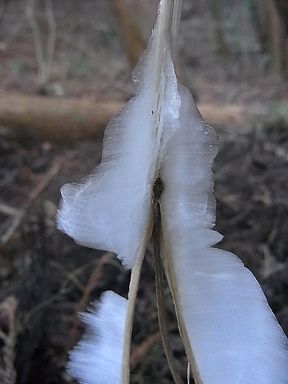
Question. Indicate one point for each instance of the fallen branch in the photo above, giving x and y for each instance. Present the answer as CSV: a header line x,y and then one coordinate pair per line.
x,y
48,118
54,118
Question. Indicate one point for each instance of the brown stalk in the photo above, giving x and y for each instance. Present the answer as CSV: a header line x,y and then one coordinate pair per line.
x,y
159,278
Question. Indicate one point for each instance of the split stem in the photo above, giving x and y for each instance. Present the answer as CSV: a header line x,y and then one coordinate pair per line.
x,y
159,278
133,288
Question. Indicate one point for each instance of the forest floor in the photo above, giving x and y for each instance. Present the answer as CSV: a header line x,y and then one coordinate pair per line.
x,y
45,278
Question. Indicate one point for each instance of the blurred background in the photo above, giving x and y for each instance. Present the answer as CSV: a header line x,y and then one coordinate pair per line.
x,y
65,69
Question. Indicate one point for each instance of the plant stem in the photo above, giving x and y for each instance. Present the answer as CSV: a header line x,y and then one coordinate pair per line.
x,y
177,8
133,288
159,278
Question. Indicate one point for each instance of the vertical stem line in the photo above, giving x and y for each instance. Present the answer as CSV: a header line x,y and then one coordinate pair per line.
x,y
159,278
172,281
132,294
175,25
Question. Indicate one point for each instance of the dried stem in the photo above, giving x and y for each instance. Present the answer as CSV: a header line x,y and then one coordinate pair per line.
x,y
133,288
175,25
44,54
159,277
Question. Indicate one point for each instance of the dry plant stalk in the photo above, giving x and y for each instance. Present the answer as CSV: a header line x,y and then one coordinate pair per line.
x,y
133,40
44,46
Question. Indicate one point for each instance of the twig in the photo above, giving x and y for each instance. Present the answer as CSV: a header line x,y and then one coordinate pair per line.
x,y
92,281
8,210
83,302
271,265
51,40
44,55
21,213
142,349
159,277
27,317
